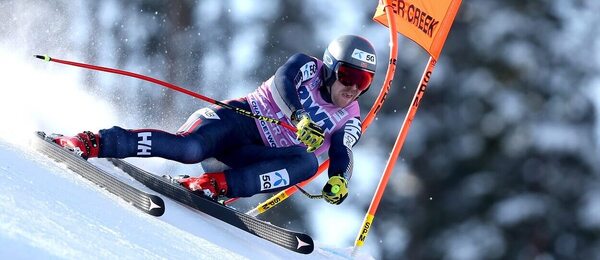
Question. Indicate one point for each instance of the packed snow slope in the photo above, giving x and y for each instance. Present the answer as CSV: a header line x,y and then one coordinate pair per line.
x,y
47,211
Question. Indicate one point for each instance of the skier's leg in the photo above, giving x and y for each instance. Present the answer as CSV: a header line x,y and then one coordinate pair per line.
x,y
222,129
207,132
117,142
261,169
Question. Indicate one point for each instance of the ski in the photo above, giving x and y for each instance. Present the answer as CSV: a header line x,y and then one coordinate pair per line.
x,y
295,241
147,203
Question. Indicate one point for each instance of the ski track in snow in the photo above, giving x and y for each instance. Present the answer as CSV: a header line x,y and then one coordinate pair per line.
x,y
48,212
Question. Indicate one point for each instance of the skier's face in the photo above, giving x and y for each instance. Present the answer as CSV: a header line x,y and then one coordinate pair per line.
x,y
342,95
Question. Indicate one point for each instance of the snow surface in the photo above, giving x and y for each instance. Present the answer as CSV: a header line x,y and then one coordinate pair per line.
x,y
47,211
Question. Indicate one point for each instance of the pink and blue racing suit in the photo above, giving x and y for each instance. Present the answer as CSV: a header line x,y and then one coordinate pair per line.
x,y
261,157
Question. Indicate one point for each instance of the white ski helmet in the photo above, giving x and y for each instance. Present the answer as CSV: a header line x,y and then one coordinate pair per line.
x,y
351,57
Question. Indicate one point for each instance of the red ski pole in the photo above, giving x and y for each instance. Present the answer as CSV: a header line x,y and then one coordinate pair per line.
x,y
170,86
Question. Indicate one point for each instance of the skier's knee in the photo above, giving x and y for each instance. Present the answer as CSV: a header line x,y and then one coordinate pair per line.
x,y
192,151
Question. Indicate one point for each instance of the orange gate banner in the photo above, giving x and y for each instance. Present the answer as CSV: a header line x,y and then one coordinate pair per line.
x,y
426,22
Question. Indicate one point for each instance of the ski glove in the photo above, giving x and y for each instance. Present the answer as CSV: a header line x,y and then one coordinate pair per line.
x,y
308,132
335,190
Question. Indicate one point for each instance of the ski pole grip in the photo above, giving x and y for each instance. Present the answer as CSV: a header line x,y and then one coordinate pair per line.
x,y
43,57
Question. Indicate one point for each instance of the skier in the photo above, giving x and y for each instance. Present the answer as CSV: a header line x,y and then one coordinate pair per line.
x,y
318,97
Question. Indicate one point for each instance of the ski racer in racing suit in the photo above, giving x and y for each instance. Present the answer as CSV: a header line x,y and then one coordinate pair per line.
x,y
319,97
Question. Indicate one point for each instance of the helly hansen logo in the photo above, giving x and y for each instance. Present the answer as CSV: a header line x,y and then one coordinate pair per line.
x,y
273,180
144,143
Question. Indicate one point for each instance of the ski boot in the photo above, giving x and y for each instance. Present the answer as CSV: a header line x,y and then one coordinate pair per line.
x,y
86,144
211,185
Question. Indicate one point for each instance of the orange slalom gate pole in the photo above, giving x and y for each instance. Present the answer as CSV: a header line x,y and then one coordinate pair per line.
x,y
283,195
420,91
433,43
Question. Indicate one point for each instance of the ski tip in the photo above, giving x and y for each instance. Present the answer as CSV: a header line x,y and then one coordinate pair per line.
x,y
43,57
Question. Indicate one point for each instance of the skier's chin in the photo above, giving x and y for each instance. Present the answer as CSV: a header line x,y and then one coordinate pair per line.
x,y
343,101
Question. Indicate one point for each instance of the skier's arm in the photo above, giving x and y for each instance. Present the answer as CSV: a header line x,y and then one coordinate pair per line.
x,y
287,80
340,151
335,190
298,68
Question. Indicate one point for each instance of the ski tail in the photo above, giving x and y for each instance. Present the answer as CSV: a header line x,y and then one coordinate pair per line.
x,y
148,203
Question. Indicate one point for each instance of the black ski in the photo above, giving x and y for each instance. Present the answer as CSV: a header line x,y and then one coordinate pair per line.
x,y
148,203
295,241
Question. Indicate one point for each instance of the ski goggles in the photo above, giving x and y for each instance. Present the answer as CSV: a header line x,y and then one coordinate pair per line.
x,y
350,76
